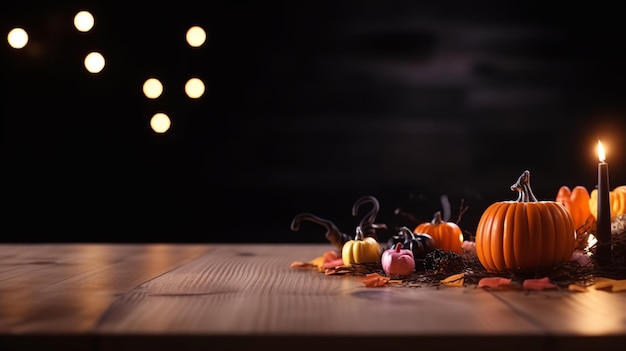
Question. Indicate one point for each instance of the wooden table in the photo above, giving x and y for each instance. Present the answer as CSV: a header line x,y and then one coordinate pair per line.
x,y
241,296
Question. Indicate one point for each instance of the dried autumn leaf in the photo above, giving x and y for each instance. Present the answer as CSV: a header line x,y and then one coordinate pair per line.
x,y
612,285
333,263
328,256
576,287
318,262
619,285
538,284
455,280
300,264
374,280
493,282
338,270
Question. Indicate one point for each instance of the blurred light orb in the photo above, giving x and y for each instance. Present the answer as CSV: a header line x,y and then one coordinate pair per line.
x,y
83,21
94,62
160,123
17,38
152,88
194,88
196,36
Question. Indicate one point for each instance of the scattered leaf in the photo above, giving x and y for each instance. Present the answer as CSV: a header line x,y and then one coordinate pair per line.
x,y
455,280
320,261
374,280
331,255
537,284
493,282
300,264
333,263
338,270
619,285
576,287
612,285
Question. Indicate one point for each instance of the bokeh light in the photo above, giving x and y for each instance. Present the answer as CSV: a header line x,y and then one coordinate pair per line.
x,y
152,88
194,88
83,21
94,62
160,122
17,38
196,36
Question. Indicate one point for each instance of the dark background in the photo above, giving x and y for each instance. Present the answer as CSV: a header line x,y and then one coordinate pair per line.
x,y
309,106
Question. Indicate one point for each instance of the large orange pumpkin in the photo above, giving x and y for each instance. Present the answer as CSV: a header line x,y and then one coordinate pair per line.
x,y
576,201
447,235
524,234
617,202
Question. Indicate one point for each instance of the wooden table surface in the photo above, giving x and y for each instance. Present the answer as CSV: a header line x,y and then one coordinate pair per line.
x,y
99,296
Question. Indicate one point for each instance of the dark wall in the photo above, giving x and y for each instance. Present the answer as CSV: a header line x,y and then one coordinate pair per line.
x,y
309,106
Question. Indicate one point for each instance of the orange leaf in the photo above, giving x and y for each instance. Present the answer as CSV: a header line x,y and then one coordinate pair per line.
x,y
332,264
300,264
374,280
337,270
330,256
321,260
537,284
455,280
576,287
493,282
610,284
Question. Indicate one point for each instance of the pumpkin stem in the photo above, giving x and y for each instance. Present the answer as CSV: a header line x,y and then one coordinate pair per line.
x,y
359,233
367,222
406,233
333,234
437,219
522,186
398,247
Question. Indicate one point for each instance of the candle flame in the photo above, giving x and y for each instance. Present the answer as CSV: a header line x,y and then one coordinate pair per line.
x,y
601,154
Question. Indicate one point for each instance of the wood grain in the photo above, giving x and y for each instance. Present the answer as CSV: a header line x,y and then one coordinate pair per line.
x,y
251,289
52,288
242,296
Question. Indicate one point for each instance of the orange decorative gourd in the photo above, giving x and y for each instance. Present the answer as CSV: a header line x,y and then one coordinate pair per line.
x,y
576,201
617,202
524,234
447,235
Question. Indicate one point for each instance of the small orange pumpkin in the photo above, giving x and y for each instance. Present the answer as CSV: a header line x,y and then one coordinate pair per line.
x,y
447,235
617,202
525,234
576,201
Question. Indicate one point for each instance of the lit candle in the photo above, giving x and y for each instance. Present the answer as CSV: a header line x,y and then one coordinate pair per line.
x,y
603,232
